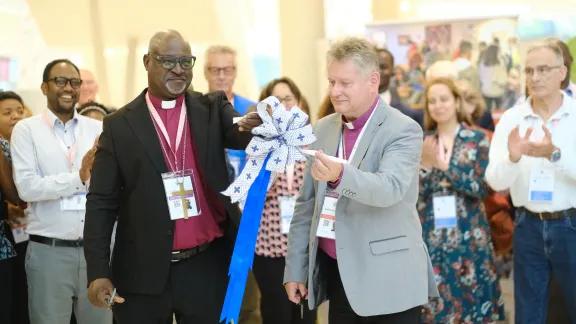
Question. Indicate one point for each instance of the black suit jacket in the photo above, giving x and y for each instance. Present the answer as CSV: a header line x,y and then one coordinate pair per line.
x,y
126,184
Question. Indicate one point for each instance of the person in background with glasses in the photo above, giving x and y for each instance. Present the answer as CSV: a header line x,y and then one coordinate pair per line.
x,y
159,169
52,156
220,73
533,154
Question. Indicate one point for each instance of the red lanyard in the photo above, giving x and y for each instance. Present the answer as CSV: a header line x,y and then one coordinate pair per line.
x,y
69,152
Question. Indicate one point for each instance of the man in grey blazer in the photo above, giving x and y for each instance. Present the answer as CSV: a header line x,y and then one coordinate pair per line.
x,y
355,238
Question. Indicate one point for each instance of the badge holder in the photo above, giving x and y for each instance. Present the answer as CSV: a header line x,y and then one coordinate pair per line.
x,y
327,225
286,212
444,208
181,194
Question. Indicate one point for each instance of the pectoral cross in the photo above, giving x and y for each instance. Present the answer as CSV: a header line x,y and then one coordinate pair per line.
x,y
445,184
182,194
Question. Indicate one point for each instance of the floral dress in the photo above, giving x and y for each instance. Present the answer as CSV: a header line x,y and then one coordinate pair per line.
x,y
462,256
6,247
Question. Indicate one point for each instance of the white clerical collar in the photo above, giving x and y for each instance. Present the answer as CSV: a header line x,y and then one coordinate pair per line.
x,y
349,125
168,104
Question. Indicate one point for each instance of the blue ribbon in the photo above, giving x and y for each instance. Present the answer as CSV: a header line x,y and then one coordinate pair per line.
x,y
275,145
243,255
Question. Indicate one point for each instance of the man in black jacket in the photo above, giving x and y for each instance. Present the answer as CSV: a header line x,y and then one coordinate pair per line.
x,y
160,168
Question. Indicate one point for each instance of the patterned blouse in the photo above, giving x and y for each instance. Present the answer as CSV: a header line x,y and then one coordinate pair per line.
x,y
6,247
271,242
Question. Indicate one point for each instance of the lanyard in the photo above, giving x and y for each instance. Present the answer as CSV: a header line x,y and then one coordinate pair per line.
x,y
342,150
160,124
290,177
446,154
69,152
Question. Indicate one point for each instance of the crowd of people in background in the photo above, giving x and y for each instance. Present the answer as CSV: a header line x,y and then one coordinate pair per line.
x,y
457,102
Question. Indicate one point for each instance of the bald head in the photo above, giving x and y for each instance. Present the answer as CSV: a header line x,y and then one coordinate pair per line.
x,y
169,63
161,39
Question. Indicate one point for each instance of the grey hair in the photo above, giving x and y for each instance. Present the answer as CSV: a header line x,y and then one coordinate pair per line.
x,y
551,45
359,50
220,49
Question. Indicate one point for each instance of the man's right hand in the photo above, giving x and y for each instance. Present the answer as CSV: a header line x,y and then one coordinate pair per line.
x,y
296,291
87,161
516,143
100,291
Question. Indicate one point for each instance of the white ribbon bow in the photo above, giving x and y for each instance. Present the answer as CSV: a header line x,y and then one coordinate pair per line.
x,y
282,135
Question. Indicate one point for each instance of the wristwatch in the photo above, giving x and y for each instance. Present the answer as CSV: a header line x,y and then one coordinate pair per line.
x,y
556,155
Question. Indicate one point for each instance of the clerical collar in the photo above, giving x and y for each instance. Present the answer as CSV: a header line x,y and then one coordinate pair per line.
x,y
358,123
165,104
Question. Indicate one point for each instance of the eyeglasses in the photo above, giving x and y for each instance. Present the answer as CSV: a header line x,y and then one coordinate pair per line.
x,y
169,62
228,70
61,82
542,70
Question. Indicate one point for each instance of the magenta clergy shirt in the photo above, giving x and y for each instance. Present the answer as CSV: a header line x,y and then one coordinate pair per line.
x,y
203,228
350,135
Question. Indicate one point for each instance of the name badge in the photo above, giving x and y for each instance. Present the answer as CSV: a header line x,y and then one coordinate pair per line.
x,y
74,202
327,225
541,188
286,212
444,211
20,234
181,194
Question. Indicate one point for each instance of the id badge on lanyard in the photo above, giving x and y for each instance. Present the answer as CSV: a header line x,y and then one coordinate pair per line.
x,y
542,178
78,200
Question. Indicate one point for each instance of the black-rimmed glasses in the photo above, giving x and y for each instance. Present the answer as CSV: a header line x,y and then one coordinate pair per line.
x,y
169,62
61,82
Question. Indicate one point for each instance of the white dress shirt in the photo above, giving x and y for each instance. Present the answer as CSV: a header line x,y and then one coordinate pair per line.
x,y
41,146
503,174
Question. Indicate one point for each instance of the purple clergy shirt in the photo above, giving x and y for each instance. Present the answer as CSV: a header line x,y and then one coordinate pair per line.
x,y
349,137
203,228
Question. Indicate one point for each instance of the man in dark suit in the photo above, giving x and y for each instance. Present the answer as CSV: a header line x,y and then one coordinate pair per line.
x,y
165,146
390,95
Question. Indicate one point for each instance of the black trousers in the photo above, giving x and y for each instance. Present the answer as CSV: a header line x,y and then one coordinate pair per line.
x,y
194,292
20,313
5,290
275,306
340,311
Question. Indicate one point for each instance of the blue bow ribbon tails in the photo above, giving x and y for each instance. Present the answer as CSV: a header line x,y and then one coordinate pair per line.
x,y
276,144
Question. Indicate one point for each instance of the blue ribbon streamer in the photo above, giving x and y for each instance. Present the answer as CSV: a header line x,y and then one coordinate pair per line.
x,y
243,254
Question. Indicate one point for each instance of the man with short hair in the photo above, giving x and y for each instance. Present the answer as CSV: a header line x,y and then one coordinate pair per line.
x,y
160,169
355,238
533,155
52,157
390,96
220,70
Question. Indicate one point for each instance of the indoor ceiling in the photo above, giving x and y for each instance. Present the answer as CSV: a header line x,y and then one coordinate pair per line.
x,y
67,23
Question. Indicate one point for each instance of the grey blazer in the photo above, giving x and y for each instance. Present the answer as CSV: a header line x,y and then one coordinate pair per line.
x,y
383,261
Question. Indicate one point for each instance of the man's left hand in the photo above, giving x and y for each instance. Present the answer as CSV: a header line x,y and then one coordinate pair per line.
x,y
542,149
249,121
325,169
